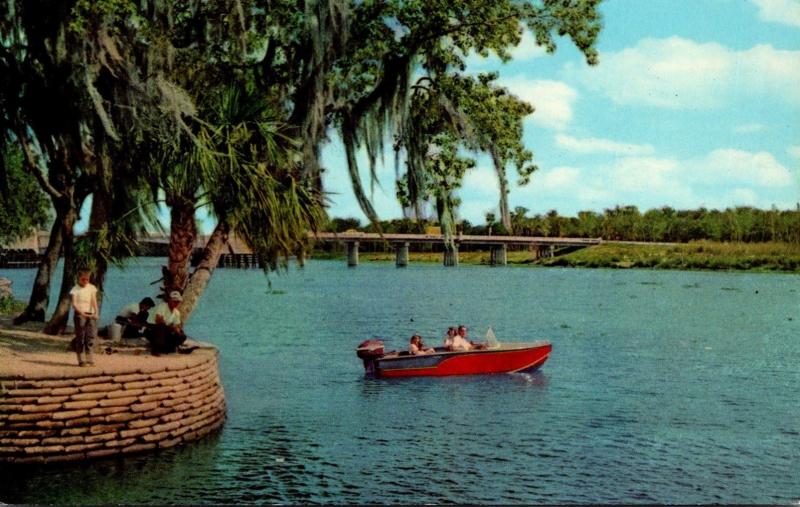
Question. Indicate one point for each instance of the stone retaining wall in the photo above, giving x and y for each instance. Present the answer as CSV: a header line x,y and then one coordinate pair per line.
x,y
95,413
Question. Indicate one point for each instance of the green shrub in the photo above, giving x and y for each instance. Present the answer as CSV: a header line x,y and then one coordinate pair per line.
x,y
11,306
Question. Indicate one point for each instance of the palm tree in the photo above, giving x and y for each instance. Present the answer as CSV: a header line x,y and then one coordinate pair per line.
x,y
243,165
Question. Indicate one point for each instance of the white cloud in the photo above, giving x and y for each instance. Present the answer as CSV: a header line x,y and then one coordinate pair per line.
x,y
749,128
786,12
643,174
678,73
595,145
759,169
481,181
526,50
742,197
558,178
552,100
770,71
719,179
794,151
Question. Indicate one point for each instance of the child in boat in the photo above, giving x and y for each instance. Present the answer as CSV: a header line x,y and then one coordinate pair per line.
x,y
416,347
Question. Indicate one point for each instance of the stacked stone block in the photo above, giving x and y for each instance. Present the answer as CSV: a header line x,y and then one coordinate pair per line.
x,y
94,415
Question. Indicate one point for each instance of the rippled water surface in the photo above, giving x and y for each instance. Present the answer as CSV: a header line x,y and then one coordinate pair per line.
x,y
663,386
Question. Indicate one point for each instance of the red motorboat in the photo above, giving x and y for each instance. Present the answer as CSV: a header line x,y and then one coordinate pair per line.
x,y
501,358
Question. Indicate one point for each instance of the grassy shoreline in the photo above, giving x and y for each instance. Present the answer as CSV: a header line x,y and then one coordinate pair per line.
x,y
697,255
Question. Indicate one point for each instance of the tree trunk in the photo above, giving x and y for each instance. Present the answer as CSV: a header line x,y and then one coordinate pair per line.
x,y
99,221
202,274
58,322
182,234
505,214
40,294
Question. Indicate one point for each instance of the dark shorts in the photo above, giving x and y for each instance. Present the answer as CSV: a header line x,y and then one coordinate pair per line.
x,y
163,340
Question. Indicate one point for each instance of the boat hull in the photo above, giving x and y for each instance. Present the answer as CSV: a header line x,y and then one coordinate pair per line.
x,y
508,358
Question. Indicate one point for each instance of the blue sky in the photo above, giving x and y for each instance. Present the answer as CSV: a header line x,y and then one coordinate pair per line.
x,y
694,103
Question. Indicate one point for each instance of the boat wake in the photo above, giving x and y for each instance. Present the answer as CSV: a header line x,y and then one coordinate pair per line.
x,y
525,377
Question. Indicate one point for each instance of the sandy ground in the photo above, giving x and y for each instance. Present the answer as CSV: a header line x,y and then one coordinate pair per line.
x,y
26,352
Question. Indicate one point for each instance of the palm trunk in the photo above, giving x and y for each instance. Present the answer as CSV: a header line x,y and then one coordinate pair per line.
x,y
58,322
202,274
40,294
182,234
505,214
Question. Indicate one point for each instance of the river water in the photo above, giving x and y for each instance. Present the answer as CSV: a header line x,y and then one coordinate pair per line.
x,y
663,386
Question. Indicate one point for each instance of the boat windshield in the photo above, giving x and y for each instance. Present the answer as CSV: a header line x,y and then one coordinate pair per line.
x,y
491,339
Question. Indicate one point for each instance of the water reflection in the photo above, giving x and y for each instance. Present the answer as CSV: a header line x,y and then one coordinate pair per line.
x,y
416,386
630,407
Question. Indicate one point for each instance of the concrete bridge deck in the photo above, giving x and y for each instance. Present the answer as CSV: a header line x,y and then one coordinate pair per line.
x,y
541,246
458,239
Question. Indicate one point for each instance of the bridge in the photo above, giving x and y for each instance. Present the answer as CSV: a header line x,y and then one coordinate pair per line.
x,y
239,255
498,245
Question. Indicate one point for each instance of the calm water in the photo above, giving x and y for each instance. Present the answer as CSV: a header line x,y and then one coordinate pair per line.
x,y
663,386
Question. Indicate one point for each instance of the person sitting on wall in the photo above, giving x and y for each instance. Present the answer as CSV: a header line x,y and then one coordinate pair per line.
x,y
416,347
164,331
133,317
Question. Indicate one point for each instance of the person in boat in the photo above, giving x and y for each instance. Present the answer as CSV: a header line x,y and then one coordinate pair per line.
x,y
416,347
461,342
448,340
133,317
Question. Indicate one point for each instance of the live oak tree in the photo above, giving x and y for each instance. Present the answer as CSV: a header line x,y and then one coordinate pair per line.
x,y
23,205
227,104
348,66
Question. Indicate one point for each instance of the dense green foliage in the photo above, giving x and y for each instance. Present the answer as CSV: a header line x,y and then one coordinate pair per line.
x,y
695,255
626,223
227,104
23,205
11,306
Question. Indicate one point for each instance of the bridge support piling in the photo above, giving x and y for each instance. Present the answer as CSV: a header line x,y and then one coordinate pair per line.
x,y
352,254
498,255
451,256
401,257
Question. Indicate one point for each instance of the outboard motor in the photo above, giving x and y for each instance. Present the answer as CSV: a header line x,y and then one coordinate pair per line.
x,y
369,351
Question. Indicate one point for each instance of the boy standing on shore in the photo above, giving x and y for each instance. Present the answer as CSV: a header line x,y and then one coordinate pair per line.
x,y
84,304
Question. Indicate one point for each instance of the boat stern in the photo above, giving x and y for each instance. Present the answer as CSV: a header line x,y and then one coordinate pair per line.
x,y
369,351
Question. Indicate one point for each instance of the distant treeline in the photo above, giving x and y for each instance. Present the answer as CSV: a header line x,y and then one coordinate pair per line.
x,y
624,223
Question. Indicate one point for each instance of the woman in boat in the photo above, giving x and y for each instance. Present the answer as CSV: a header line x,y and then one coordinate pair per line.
x,y
448,340
416,347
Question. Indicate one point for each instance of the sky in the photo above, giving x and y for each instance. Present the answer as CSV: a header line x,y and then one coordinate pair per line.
x,y
693,103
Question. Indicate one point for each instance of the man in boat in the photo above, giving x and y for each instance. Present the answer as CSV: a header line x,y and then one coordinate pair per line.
x,y
461,343
416,347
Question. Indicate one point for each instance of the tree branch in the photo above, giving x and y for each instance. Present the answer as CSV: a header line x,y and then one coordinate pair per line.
x,y
33,166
